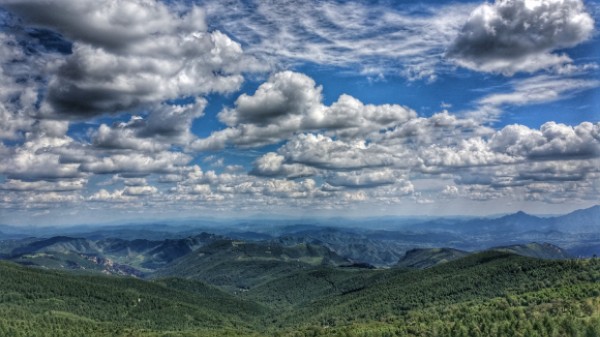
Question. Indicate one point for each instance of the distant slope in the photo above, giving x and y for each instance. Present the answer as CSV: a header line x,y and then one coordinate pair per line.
x,y
58,244
536,250
153,254
378,248
422,258
67,253
110,256
350,244
513,223
241,265
580,221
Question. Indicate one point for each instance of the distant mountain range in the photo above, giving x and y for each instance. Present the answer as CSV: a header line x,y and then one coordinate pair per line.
x,y
237,264
580,221
164,250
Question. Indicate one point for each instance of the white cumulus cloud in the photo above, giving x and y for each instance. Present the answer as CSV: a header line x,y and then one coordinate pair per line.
x,y
510,36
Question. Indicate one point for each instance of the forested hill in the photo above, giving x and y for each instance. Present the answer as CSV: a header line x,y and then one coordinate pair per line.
x,y
487,294
34,302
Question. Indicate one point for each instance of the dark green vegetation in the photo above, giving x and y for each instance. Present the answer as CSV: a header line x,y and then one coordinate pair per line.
x,y
43,303
486,294
534,249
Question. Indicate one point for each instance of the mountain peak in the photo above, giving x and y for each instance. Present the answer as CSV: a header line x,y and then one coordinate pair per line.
x,y
593,209
518,215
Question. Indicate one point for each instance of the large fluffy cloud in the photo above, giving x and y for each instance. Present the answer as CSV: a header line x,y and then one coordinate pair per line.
x,y
129,53
164,125
290,103
136,163
323,152
273,164
444,146
509,36
552,141
34,160
365,178
18,87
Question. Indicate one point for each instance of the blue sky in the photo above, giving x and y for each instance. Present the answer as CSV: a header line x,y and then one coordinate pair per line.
x,y
140,109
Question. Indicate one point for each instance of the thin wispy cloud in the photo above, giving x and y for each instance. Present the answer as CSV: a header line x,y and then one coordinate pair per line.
x,y
379,40
529,91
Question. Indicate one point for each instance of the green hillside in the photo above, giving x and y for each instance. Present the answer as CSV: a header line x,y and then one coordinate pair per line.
x,y
303,287
239,265
486,294
537,250
422,258
42,303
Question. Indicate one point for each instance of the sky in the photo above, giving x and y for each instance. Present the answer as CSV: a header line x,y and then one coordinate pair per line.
x,y
121,110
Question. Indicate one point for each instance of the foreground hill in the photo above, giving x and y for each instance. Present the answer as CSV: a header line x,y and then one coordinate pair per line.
x,y
43,303
486,294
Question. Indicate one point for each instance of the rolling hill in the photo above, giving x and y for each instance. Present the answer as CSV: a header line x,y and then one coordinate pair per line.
x,y
239,265
110,256
40,303
491,293
421,258
537,250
